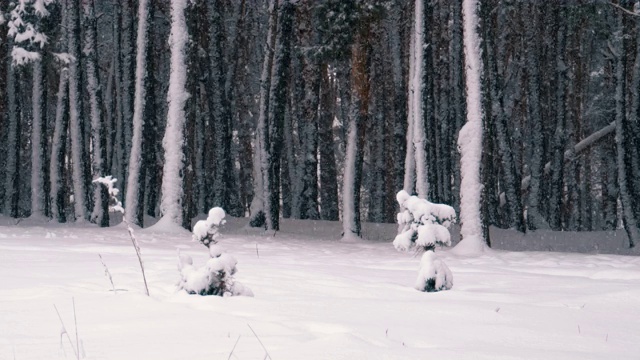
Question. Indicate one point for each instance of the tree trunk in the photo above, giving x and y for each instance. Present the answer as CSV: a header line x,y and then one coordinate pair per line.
x,y
622,139
174,137
137,166
470,137
328,171
100,213
77,125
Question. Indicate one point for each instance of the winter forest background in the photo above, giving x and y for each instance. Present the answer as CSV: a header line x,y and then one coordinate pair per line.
x,y
318,110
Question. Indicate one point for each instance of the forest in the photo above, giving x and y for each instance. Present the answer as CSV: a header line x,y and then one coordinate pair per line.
x,y
323,110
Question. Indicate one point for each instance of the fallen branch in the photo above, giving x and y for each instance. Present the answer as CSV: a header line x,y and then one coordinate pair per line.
x,y
570,154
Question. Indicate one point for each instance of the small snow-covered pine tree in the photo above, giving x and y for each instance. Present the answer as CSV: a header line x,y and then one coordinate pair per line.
x,y
216,276
423,226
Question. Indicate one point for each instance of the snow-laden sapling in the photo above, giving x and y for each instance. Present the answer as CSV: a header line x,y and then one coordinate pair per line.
x,y
423,226
216,277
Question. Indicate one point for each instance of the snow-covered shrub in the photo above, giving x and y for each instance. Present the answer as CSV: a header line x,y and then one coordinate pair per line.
x,y
423,226
216,276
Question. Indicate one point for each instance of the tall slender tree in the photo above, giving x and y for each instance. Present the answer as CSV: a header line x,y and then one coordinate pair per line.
x,y
173,141
470,137
100,213
81,200
137,167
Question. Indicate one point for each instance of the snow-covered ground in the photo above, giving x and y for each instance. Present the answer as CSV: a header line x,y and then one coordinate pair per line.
x,y
315,298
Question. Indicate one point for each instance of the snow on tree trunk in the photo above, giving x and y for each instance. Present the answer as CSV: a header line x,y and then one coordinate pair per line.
x,y
417,91
357,120
470,137
100,213
173,141
350,212
259,208
135,181
410,159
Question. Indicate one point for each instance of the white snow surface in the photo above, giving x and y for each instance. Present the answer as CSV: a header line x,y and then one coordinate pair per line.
x,y
315,298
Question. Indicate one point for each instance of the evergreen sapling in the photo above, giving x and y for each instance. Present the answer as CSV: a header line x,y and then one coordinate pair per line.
x,y
216,277
423,226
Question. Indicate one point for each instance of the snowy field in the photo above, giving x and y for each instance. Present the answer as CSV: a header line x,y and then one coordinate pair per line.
x,y
315,298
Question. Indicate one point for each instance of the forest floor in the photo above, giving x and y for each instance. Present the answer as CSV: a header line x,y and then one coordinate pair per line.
x,y
315,298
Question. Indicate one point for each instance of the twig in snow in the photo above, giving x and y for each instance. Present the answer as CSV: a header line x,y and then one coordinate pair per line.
x,y
107,273
64,330
116,205
265,349
75,320
257,252
234,348
579,332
